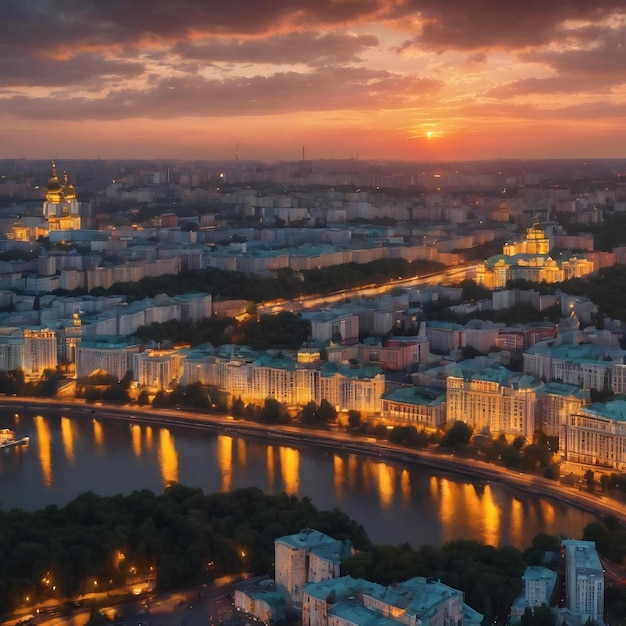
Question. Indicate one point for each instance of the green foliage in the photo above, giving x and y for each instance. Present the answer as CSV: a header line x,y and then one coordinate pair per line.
x,y
490,577
457,435
538,616
187,536
195,396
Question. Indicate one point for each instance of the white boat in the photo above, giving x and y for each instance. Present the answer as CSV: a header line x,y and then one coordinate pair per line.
x,y
8,438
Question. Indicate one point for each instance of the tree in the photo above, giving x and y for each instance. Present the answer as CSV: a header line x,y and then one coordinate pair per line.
x,y
354,419
458,434
326,412
238,408
143,397
590,480
271,411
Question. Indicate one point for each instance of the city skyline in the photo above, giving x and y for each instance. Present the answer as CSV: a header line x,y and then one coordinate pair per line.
x,y
410,80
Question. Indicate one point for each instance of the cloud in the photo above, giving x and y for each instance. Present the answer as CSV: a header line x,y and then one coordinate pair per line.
x,y
482,24
308,48
283,92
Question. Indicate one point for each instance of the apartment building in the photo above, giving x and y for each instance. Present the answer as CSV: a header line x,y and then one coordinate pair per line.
x,y
40,351
539,586
414,406
596,435
309,555
584,580
112,354
494,399
416,602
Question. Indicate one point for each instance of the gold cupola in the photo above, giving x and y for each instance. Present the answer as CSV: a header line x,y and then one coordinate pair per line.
x,y
55,189
68,189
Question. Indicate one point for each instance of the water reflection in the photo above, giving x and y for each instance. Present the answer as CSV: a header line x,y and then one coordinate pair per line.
x,y
385,484
135,435
44,441
98,436
395,502
168,458
290,469
67,436
225,461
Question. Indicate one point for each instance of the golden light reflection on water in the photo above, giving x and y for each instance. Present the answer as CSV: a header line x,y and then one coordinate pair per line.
x,y
351,472
290,469
339,476
405,486
168,458
242,453
149,438
491,514
67,436
466,509
135,437
225,461
516,523
547,513
44,446
385,484
98,436
271,468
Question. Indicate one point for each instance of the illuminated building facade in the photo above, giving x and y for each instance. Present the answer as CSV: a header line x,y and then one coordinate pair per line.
x,y
40,351
157,369
589,366
413,406
494,399
61,209
556,402
596,435
584,580
110,354
307,556
533,259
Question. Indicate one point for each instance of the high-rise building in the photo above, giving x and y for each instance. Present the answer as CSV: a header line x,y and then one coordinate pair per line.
x,y
584,580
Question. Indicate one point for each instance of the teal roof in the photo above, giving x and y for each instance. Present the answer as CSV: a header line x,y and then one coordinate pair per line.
x,y
111,342
268,360
443,325
416,395
563,389
580,353
615,409
307,538
351,371
586,555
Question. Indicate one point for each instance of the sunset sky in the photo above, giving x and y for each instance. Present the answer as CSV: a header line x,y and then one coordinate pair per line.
x,y
386,79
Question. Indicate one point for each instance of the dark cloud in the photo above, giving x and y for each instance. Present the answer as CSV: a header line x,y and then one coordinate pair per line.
x,y
597,68
298,47
27,69
510,24
286,92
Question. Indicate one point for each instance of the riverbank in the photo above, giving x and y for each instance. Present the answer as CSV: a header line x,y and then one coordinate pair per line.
x,y
297,436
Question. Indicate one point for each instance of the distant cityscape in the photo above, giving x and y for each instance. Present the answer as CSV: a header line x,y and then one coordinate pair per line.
x,y
73,232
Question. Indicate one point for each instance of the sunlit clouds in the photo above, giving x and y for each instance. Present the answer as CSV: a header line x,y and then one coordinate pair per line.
x,y
387,79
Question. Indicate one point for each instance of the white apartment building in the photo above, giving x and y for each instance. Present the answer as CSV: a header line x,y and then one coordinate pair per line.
x,y
329,326
596,435
444,336
111,354
539,585
157,369
556,403
584,580
40,351
585,365
305,556
412,406
494,399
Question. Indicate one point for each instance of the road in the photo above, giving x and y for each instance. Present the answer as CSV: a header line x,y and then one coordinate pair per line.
x,y
448,276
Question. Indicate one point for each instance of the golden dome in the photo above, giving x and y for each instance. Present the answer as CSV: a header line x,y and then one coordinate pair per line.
x,y
55,189
68,189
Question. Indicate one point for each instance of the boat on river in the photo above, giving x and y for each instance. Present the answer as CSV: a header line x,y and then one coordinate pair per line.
x,y
8,439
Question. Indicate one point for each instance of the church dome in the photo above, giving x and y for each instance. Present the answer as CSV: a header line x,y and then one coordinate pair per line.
x,y
55,189
68,189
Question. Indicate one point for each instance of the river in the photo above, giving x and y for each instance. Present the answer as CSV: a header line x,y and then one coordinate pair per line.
x,y
396,502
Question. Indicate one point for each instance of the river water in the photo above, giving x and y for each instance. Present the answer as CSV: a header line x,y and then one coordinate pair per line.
x,y
396,502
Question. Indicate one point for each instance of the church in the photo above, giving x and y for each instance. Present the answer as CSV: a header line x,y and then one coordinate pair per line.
x,y
61,209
